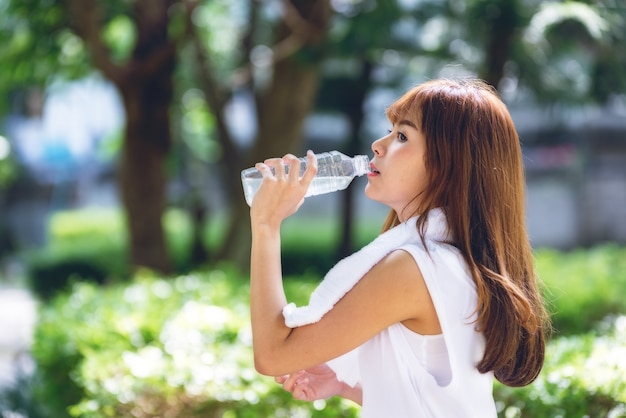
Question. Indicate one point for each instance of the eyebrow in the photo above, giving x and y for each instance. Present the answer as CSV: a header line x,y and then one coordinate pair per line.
x,y
408,123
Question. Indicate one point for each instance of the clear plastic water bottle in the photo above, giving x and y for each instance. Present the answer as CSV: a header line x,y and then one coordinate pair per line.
x,y
335,171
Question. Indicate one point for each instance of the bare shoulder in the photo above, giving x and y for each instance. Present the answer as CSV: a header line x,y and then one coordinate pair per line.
x,y
402,263
402,279
392,291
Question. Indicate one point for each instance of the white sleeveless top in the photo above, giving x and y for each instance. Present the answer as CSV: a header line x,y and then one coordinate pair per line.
x,y
402,374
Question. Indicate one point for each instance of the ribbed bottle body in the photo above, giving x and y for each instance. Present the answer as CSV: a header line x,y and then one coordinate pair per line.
x,y
335,171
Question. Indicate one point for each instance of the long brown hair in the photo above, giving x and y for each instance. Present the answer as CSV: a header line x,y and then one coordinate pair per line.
x,y
474,160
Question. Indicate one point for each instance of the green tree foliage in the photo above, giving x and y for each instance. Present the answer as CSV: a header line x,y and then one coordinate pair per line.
x,y
551,51
564,52
137,45
37,47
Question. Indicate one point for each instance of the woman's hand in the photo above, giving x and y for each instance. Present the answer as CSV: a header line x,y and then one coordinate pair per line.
x,y
318,382
281,193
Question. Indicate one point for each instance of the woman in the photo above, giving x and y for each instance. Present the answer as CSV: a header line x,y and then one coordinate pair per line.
x,y
418,322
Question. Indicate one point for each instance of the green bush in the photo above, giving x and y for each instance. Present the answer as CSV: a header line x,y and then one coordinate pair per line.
x,y
182,347
166,348
46,279
583,286
90,245
82,245
583,377
91,342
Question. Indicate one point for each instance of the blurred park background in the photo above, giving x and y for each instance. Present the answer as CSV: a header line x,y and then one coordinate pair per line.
x,y
124,235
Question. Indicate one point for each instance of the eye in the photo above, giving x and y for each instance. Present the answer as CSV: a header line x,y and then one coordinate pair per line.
x,y
400,136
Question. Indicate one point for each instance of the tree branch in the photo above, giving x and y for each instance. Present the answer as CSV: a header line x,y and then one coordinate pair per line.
x,y
154,48
300,32
215,95
86,21
303,28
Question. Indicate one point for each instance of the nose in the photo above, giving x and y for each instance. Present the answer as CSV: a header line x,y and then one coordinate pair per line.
x,y
377,146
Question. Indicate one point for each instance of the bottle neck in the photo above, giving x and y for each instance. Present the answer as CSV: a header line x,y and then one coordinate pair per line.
x,y
361,165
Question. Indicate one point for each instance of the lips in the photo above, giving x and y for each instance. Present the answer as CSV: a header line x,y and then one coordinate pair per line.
x,y
373,169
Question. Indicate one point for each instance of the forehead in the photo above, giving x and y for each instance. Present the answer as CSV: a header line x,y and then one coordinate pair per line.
x,y
406,110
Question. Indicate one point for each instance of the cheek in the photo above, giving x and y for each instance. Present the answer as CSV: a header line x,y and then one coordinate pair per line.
x,y
414,185
415,178
422,175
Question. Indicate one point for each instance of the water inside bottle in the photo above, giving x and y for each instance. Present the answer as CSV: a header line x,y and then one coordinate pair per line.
x,y
319,185
335,172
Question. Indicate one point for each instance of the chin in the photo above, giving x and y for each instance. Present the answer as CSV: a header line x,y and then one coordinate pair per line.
x,y
372,196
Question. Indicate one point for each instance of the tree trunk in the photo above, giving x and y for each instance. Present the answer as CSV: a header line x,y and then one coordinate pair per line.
x,y
142,179
282,107
504,22
146,87
355,115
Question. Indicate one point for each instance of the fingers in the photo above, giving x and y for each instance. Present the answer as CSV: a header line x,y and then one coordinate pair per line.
x,y
264,169
302,391
291,161
282,177
296,383
311,167
272,166
277,166
289,382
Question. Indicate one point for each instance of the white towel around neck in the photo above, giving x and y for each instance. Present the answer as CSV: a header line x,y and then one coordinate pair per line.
x,y
347,272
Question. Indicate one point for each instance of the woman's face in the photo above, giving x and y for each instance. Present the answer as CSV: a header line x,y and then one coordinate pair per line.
x,y
398,169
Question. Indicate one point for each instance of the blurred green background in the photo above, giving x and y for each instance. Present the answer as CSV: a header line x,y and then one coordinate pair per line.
x,y
124,235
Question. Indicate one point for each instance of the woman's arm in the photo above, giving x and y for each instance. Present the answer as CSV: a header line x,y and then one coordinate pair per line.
x,y
392,291
280,196
267,296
